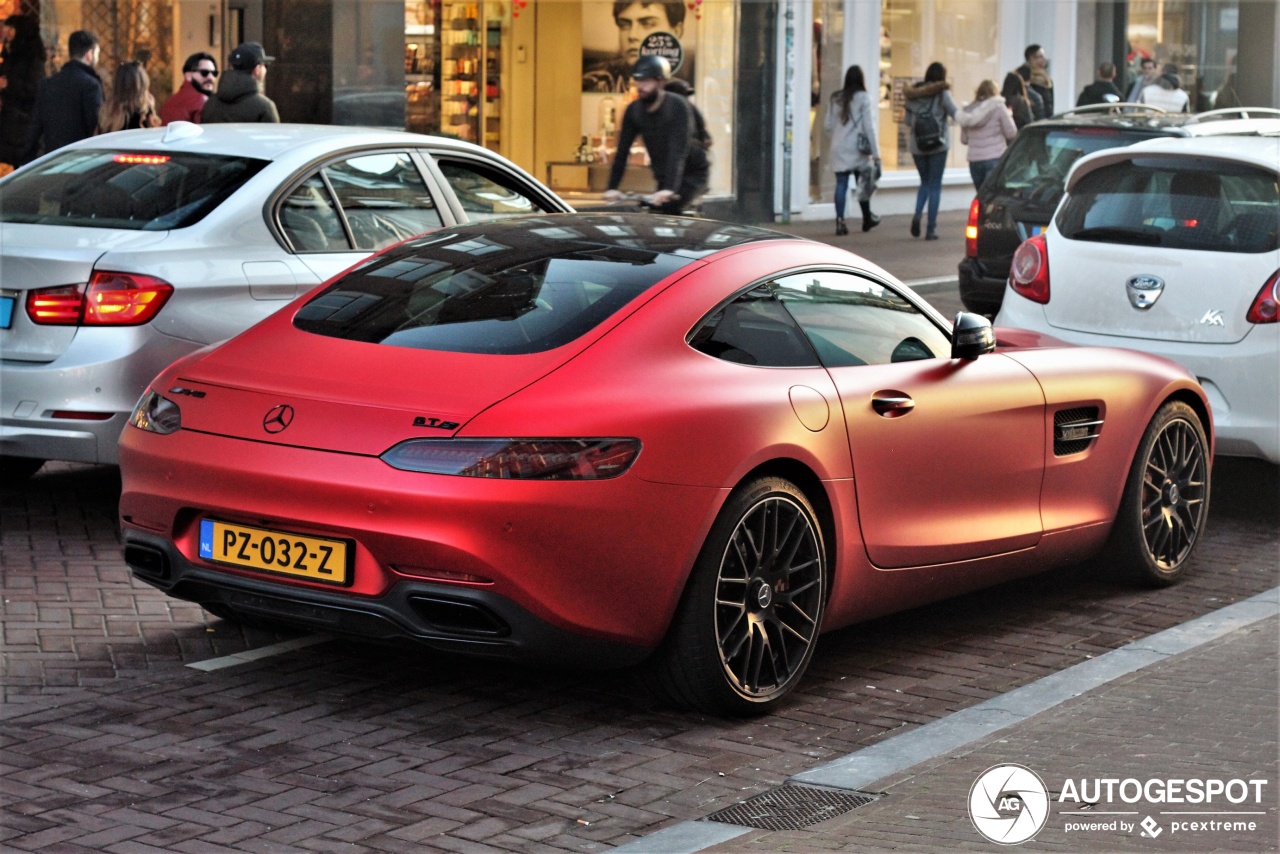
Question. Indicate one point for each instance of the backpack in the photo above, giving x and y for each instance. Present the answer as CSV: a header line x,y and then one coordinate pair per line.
x,y
927,130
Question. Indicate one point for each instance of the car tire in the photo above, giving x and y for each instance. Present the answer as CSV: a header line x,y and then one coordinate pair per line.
x,y
1166,498
748,623
18,469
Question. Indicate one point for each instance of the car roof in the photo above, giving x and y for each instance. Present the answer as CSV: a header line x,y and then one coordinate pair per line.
x,y
265,141
1262,151
1146,119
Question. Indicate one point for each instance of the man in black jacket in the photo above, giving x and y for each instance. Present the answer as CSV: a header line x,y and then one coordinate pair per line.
x,y
66,107
1103,90
665,121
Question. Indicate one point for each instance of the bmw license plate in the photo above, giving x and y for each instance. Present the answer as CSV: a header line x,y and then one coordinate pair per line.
x,y
312,558
6,312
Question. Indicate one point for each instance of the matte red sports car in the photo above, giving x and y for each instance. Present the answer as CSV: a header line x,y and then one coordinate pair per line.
x,y
606,438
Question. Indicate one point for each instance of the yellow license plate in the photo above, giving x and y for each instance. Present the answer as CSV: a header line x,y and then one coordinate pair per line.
x,y
312,558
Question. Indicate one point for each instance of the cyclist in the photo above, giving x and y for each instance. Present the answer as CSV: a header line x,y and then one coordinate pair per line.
x,y
665,121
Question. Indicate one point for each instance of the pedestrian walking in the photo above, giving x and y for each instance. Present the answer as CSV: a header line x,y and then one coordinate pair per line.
x,y
1014,92
1103,90
66,105
1036,72
986,126
928,107
239,97
130,104
21,70
665,122
855,146
198,75
1166,91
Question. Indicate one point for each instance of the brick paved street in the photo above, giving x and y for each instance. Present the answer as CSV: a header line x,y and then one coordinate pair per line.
x,y
110,744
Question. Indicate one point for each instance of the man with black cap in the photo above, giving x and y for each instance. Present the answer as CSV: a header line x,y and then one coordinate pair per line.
x,y
665,121
239,97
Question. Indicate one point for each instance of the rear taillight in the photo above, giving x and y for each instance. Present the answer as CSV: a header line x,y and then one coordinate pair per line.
x,y
1029,273
110,299
971,230
1266,306
517,459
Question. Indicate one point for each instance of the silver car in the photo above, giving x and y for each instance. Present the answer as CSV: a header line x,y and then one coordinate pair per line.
x,y
122,253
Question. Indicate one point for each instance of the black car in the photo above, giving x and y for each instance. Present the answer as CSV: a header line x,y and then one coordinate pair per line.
x,y
1018,199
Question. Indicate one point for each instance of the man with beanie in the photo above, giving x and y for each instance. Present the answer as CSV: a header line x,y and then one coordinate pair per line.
x,y
239,97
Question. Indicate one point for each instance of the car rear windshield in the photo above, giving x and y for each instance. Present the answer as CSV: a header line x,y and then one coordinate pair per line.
x,y
1037,163
140,191
469,293
1176,203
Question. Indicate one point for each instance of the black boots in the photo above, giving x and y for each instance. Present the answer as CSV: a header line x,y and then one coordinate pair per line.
x,y
841,228
869,220
915,226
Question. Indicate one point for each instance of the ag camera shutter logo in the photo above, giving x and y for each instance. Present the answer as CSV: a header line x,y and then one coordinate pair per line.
x,y
1008,804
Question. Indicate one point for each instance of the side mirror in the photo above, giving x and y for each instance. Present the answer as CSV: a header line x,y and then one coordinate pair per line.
x,y
971,336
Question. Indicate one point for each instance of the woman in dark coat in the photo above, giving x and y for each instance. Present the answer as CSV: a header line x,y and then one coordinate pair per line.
x,y
20,77
1014,93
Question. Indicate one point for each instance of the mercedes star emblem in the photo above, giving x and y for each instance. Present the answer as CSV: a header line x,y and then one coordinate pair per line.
x,y
278,418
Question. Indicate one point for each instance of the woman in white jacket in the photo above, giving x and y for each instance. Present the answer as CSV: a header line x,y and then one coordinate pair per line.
x,y
850,118
986,126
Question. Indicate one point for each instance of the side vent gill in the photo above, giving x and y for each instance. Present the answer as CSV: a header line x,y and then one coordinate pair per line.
x,y
1074,430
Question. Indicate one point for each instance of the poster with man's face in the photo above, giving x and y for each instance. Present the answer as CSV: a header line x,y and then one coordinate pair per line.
x,y
612,33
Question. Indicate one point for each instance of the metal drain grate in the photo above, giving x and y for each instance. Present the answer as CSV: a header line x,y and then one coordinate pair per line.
x,y
791,807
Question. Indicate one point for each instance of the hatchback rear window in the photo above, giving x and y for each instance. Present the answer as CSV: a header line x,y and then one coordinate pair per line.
x,y
1038,161
1182,203
469,293
140,191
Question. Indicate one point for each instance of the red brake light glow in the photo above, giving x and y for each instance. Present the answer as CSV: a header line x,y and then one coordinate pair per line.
x,y
1029,274
1266,306
971,230
110,299
141,159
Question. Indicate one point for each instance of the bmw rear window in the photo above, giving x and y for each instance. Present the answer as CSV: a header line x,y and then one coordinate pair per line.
x,y
507,292
139,191
1176,203
1037,162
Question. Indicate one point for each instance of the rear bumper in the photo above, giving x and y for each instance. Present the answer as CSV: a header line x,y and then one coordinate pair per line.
x,y
1241,380
981,289
444,617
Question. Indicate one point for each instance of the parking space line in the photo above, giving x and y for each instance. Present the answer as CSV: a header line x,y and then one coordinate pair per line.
x,y
259,653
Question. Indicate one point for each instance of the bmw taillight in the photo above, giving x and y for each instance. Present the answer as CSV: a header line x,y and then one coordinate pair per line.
x,y
1029,273
971,230
517,459
1266,306
109,299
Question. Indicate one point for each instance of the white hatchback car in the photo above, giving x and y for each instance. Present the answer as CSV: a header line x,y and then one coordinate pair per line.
x,y
1172,247
124,252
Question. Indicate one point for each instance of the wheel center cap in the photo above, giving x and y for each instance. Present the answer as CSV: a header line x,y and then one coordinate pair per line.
x,y
764,595
1172,493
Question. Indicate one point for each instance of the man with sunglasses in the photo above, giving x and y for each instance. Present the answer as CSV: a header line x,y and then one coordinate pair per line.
x,y
199,74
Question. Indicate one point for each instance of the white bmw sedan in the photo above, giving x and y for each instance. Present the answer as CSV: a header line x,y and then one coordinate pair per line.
x,y
124,252
1172,247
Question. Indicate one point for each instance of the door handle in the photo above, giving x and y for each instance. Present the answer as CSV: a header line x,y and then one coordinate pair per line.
x,y
892,406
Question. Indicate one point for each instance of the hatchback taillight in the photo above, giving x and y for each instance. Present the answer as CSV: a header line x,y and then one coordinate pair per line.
x,y
1029,273
971,230
1266,306
109,299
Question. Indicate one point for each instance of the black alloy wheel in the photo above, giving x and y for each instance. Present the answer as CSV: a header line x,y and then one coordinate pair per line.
x,y
749,621
1166,499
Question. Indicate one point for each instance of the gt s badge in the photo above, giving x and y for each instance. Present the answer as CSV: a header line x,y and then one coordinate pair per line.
x,y
435,423
1144,290
1213,317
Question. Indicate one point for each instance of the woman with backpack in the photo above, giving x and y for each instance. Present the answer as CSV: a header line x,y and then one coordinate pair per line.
x,y
855,146
928,107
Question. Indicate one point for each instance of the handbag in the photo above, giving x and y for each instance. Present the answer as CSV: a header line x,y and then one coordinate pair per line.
x,y
864,144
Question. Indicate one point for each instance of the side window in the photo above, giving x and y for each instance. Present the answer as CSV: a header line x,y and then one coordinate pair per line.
x,y
310,219
754,330
486,194
855,321
384,198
